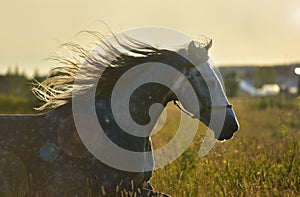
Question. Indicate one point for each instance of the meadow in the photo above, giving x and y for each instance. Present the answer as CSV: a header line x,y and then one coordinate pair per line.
x,y
263,158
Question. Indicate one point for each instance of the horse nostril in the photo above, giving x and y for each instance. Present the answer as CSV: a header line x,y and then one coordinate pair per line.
x,y
234,127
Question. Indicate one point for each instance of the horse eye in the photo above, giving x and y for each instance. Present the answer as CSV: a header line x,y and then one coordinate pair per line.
x,y
189,76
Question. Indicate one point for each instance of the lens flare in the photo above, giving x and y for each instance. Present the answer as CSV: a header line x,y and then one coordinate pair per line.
x,y
297,71
49,152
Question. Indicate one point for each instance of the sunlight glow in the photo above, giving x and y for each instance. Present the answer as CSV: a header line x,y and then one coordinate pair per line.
x,y
296,16
297,71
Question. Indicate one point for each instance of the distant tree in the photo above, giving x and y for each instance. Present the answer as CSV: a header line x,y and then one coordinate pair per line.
x,y
17,82
37,76
9,72
36,73
231,81
16,72
264,75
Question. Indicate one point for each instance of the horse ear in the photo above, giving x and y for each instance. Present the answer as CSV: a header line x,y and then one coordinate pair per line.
x,y
198,54
209,45
192,48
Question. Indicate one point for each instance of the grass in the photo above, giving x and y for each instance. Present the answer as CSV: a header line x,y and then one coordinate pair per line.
x,y
11,104
263,159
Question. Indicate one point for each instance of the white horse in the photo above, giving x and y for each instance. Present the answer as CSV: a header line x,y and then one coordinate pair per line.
x,y
47,149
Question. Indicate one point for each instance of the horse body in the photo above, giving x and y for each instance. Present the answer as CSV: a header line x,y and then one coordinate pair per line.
x,y
48,145
35,141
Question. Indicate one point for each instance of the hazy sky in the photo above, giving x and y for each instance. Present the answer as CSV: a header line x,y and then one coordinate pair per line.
x,y
257,31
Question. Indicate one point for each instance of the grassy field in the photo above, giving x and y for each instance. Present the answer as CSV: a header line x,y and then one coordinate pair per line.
x,y
10,104
263,158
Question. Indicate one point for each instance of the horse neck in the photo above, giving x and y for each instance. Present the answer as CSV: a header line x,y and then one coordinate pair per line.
x,y
144,98
140,102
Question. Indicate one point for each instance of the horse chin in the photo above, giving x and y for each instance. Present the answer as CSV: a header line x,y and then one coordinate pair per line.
x,y
226,136
229,128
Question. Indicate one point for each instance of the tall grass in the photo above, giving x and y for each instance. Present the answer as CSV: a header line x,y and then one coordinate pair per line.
x,y
263,159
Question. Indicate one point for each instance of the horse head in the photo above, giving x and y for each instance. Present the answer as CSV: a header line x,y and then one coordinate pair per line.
x,y
213,103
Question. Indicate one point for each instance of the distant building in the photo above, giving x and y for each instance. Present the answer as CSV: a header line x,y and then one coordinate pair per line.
x,y
286,80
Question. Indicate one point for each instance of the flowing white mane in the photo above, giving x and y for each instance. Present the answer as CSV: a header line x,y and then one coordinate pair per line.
x,y
59,88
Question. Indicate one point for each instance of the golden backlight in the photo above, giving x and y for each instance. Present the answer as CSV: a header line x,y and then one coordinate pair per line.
x,y
244,32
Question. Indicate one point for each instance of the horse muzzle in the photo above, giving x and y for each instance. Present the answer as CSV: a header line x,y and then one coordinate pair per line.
x,y
230,126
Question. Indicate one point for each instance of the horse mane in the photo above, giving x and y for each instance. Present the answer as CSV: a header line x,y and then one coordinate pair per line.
x,y
59,87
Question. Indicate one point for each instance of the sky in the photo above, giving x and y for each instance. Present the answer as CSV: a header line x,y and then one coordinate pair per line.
x,y
243,32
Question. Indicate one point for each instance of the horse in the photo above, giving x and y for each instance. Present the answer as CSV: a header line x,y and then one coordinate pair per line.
x,y
43,154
